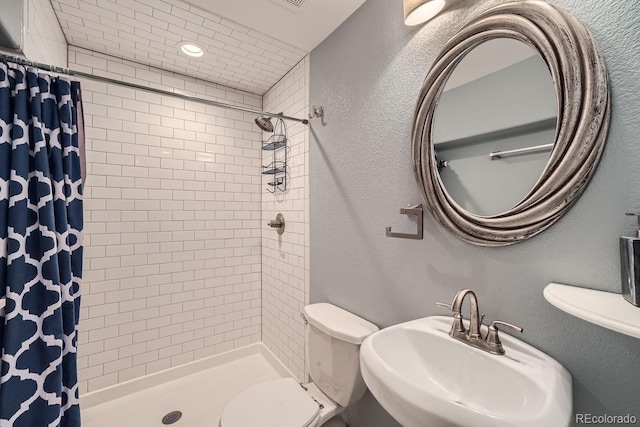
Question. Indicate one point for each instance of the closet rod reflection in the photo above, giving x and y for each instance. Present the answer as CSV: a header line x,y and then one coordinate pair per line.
x,y
497,155
67,71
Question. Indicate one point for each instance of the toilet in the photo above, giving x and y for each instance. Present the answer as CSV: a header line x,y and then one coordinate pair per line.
x,y
333,355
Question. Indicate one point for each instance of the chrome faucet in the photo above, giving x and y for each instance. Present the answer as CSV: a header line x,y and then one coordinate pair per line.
x,y
491,343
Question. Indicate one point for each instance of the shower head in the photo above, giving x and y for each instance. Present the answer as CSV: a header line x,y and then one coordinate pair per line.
x,y
264,123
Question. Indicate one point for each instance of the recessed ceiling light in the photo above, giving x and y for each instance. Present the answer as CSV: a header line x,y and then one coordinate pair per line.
x,y
191,49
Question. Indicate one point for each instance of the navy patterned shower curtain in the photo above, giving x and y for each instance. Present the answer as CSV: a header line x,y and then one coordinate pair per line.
x,y
40,247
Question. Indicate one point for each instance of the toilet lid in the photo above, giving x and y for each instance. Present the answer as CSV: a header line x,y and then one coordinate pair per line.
x,y
276,403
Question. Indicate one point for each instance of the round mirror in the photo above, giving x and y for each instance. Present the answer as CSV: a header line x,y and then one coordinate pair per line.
x,y
458,192
494,126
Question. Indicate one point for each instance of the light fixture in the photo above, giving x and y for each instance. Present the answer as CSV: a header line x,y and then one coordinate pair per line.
x,y
191,49
419,11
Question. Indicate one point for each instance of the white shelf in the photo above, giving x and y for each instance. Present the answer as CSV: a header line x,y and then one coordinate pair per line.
x,y
606,309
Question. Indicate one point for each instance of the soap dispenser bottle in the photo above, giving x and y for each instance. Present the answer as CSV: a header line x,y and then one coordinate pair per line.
x,y
630,265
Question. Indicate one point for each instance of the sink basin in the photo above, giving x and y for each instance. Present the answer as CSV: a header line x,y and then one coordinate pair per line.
x,y
425,378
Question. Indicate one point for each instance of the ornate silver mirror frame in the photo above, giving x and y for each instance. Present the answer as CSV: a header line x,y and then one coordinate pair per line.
x,y
580,78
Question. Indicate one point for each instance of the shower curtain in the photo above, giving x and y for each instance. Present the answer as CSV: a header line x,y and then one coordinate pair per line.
x,y
40,247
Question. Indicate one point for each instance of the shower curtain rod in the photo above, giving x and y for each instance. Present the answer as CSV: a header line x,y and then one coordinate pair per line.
x,y
67,71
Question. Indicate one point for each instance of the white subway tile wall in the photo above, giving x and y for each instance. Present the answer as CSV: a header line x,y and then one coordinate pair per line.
x,y
43,39
149,32
285,258
173,223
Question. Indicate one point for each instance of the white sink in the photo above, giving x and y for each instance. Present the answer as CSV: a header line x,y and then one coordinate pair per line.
x,y
425,378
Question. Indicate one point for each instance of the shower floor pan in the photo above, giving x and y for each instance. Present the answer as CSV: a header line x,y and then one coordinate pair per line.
x,y
195,394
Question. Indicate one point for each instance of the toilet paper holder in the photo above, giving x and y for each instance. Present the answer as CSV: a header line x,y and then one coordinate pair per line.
x,y
412,212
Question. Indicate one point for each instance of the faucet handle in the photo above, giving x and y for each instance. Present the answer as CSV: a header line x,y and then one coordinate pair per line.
x,y
445,305
493,340
510,325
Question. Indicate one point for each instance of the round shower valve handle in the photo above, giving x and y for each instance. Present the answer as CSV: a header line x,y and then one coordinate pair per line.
x,y
278,223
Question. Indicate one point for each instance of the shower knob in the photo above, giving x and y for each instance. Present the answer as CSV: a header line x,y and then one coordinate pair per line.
x,y
278,223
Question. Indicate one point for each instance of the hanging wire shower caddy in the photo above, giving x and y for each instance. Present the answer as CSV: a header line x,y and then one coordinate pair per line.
x,y
278,144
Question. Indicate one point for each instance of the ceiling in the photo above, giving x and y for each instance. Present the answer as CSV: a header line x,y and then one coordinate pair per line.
x,y
249,44
301,23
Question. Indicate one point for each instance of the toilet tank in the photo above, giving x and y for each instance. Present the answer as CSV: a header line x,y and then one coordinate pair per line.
x,y
333,351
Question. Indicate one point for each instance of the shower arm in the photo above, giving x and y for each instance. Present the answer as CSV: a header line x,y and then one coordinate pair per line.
x,y
69,72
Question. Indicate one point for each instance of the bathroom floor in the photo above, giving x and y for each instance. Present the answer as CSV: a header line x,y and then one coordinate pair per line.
x,y
200,396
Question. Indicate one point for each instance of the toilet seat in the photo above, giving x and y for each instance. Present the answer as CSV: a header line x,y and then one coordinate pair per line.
x,y
276,403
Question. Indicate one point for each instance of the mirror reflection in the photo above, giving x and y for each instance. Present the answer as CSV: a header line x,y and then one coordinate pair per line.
x,y
499,100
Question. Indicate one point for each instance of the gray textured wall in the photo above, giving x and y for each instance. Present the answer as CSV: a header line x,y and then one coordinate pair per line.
x,y
367,75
